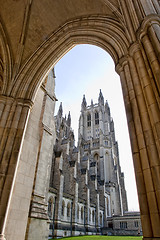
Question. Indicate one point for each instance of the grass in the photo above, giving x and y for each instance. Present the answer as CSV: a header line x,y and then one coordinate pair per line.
x,y
103,238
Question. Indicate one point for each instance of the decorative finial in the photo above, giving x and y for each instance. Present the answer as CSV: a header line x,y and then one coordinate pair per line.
x,y
60,111
69,119
101,98
84,103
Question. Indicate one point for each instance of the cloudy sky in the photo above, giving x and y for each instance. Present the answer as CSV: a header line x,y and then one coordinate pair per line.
x,y
85,70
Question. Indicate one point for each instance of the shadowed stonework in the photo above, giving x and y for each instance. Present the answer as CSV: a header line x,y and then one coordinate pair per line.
x,y
34,35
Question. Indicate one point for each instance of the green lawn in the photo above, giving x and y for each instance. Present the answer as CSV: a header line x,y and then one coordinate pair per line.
x,y
103,238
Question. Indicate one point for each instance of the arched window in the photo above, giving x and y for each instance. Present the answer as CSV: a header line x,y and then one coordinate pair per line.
x,y
89,214
68,209
78,212
107,202
96,118
63,207
100,218
50,208
88,120
93,215
82,212
96,157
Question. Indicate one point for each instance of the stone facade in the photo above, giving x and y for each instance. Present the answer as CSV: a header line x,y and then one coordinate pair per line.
x,y
34,35
86,183
128,224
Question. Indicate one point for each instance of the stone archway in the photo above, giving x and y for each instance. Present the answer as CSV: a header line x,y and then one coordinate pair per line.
x,y
130,34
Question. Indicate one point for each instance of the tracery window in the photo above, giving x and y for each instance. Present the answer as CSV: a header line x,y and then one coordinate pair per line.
x,y
96,118
88,120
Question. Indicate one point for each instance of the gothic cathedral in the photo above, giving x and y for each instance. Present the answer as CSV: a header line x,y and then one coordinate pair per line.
x,y
86,185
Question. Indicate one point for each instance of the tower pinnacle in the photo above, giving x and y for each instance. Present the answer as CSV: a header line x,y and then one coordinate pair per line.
x,y
101,98
84,103
107,108
69,119
60,111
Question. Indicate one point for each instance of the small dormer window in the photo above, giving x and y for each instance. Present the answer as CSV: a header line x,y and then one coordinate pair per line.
x,y
96,118
89,120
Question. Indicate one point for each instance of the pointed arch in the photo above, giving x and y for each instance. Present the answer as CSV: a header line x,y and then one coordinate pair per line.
x,y
95,30
96,157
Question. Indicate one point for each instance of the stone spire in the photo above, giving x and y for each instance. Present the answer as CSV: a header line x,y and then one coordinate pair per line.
x,y
91,102
69,119
101,98
60,111
84,103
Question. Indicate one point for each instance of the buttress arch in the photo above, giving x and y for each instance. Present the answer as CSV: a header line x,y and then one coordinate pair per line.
x,y
134,46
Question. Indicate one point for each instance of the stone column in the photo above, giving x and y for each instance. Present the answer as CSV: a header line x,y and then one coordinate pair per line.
x,y
148,7
150,23
106,214
14,117
133,121
75,207
87,207
97,216
153,63
129,29
143,120
38,224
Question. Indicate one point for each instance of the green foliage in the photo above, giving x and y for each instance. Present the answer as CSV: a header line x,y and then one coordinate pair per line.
x,y
103,238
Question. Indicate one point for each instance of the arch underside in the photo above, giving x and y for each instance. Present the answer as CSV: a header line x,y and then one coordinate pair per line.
x,y
100,31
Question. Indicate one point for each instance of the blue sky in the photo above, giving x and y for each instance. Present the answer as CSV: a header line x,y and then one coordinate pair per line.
x,y
85,70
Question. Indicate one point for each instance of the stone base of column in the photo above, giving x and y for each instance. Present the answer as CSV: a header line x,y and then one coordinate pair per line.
x,y
38,229
2,237
38,223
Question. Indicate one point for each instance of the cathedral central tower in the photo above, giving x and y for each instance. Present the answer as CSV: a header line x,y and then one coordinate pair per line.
x,y
97,139
86,184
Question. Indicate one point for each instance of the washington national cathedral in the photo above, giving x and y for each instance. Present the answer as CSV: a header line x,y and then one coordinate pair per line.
x,y
48,186
87,192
